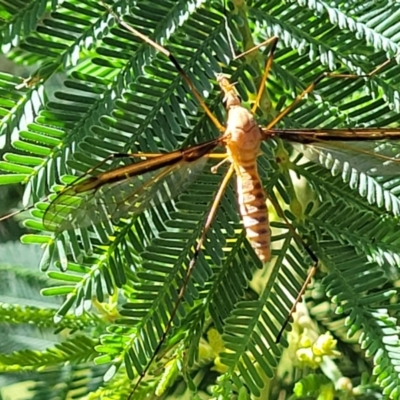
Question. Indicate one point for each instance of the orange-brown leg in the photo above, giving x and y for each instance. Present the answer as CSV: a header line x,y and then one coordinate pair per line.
x,y
175,62
312,86
273,41
192,263
311,273
220,192
279,117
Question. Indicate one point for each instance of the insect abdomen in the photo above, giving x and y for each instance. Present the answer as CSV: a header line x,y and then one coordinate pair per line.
x,y
253,210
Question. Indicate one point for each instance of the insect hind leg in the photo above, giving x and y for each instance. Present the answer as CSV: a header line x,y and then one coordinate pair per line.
x,y
210,218
310,274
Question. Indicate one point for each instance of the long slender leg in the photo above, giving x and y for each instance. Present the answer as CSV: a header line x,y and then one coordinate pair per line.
x,y
311,273
256,47
192,263
274,41
279,117
175,62
219,195
13,214
267,68
312,86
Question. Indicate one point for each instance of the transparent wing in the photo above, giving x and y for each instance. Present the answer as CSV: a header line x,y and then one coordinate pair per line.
x,y
374,151
86,203
375,158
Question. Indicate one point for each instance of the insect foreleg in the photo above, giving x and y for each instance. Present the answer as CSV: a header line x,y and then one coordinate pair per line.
x,y
174,61
274,41
312,86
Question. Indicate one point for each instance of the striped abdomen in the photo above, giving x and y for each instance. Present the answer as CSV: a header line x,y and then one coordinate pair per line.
x,y
251,198
242,139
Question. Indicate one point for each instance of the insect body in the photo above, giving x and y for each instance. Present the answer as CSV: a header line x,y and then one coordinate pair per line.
x,y
120,191
243,138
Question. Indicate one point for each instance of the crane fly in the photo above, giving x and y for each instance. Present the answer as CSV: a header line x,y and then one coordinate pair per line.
x,y
135,187
130,189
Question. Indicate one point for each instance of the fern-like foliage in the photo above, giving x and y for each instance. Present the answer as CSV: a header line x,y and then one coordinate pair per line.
x,y
118,282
